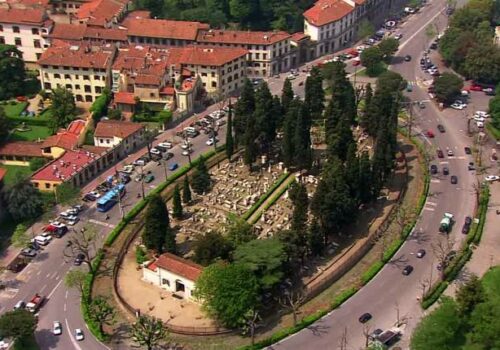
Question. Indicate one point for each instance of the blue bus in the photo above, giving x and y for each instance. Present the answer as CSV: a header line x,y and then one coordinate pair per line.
x,y
107,201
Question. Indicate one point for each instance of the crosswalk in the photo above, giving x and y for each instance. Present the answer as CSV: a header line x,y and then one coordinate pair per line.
x,y
430,206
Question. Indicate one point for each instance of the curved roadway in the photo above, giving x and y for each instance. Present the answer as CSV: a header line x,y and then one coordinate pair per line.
x,y
390,289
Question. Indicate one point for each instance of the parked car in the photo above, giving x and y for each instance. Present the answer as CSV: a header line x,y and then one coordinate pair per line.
x,y
449,152
155,151
149,178
446,171
211,141
42,240
489,91
365,317
440,153
471,166
467,150
421,253
168,155
20,305
492,178
128,169
441,128
80,257
407,58
465,229
429,134
454,179
167,145
27,252
374,335
89,198
434,169
407,270
187,152
173,166
458,105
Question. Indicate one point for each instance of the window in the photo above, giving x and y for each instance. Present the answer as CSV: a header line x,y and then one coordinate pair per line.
x,y
66,76
47,86
1,28
69,86
264,56
57,76
257,56
87,88
47,185
97,77
98,90
107,141
36,43
15,29
213,74
214,84
86,77
203,74
77,87
18,42
35,31
165,281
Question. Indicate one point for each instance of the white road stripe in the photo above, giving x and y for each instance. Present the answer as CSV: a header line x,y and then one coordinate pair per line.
x,y
436,181
429,209
71,337
431,203
43,288
445,162
53,290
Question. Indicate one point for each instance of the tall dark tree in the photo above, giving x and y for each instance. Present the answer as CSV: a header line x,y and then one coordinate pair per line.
x,y
314,94
266,121
251,149
229,133
302,140
20,325
340,140
210,247
4,125
243,109
278,112
286,95
156,224
470,295
200,180
365,178
365,115
300,200
186,191
352,171
295,245
315,239
288,145
23,200
177,203
12,72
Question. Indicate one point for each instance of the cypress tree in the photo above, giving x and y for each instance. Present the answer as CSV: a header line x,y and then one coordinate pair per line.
x,y
157,224
288,146
364,118
315,239
177,204
229,134
365,181
200,181
265,121
250,154
302,141
352,171
339,141
314,94
244,108
300,200
278,113
286,95
186,191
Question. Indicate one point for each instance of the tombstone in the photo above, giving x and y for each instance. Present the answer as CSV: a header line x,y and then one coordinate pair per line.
x,y
280,165
263,159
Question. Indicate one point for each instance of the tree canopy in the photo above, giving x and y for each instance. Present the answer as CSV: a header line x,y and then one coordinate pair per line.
x,y
12,72
18,324
23,201
210,247
200,180
157,234
63,108
448,87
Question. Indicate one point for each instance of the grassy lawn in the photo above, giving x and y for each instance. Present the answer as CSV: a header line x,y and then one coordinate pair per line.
x,y
14,110
13,173
36,132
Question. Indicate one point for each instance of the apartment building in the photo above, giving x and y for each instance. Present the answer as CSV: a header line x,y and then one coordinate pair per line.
x,y
83,70
25,28
74,33
268,52
147,31
124,136
69,7
102,13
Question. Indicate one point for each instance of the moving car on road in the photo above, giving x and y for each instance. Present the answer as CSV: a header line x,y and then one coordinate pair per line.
x,y
492,178
365,317
57,328
454,179
79,334
441,128
446,223
407,270
149,178
421,253
173,166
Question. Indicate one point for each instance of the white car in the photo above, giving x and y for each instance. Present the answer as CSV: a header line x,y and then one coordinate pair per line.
x,y
481,114
186,145
128,169
72,221
290,77
458,105
450,153
42,240
210,141
478,118
95,194
167,145
491,178
480,124
398,36
57,328
187,152
155,151
79,334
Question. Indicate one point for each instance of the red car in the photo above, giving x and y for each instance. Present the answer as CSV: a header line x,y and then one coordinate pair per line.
x,y
353,52
473,87
429,134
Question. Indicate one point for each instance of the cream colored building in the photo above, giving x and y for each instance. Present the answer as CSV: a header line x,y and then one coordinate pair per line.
x,y
174,274
268,52
81,69
124,136
25,28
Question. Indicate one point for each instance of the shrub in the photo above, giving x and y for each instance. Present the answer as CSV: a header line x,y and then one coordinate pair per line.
x,y
140,255
437,290
371,272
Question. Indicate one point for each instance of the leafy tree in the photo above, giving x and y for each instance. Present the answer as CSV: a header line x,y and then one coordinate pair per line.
x,y
210,247
101,312
115,114
314,94
140,255
20,238
227,292
242,10
300,200
485,325
35,163
469,296
440,329
315,239
177,203
149,331
75,279
371,58
186,191
388,47
294,245
229,134
365,29
200,180
239,231
390,82
23,201
264,258
100,106
448,87
5,123
63,108
12,73
18,324
157,224
286,95
67,193
483,63
243,109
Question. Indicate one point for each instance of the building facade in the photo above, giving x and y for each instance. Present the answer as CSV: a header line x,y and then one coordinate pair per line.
x,y
26,29
124,136
174,274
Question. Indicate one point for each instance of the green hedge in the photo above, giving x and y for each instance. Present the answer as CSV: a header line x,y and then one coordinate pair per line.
x,y
35,121
371,272
273,200
86,299
432,298
484,199
265,196
451,272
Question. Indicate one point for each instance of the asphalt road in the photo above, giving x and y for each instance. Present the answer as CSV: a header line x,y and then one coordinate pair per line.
x,y
45,274
390,292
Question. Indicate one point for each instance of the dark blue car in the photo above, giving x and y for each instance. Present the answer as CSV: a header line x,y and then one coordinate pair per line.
x,y
173,166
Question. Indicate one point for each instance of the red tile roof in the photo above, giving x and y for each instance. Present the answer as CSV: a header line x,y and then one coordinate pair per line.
x,y
30,3
205,56
299,36
126,98
161,28
111,34
65,31
76,126
167,90
30,16
177,265
75,56
241,37
101,12
115,128
139,14
64,140
327,11
21,148
2,173
68,165
148,79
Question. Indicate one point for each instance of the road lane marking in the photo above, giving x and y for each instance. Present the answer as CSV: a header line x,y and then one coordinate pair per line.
x,y
53,290
64,307
101,223
421,28
38,273
66,295
461,157
431,203
48,275
57,277
53,275
43,288
436,181
444,162
429,209
70,334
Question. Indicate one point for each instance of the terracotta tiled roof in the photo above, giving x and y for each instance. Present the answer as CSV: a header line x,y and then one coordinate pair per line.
x,y
30,16
63,168
76,126
241,37
206,56
30,3
75,56
327,11
100,12
111,34
178,266
21,148
147,79
126,98
299,36
65,140
66,31
167,90
115,128
94,149
139,14
161,28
